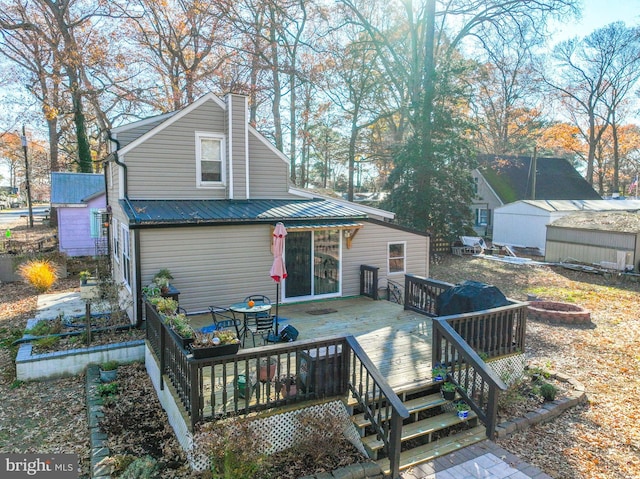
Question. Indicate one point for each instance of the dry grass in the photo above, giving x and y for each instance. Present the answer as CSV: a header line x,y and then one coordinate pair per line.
x,y
600,440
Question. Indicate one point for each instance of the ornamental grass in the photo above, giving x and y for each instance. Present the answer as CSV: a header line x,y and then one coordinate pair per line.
x,y
41,274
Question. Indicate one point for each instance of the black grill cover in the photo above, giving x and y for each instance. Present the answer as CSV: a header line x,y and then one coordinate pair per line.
x,y
469,296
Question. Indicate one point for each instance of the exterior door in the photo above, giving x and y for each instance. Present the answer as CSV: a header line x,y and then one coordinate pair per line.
x,y
314,266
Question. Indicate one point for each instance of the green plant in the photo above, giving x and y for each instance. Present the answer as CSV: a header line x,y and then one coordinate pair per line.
x,y
142,468
180,324
216,338
449,387
109,365
548,391
15,384
163,273
166,306
151,291
439,370
45,327
107,389
41,274
47,342
161,282
84,275
462,406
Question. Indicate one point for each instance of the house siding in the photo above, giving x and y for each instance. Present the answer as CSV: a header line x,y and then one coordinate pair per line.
x,y
485,199
220,265
75,237
164,166
369,247
130,134
269,173
237,150
591,247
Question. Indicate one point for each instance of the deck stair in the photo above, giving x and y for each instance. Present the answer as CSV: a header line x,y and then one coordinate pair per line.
x,y
433,428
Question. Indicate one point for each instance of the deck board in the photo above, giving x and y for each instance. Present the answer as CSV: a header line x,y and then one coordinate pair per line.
x,y
397,341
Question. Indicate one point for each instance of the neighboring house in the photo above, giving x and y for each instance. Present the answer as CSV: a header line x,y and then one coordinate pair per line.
x,y
501,180
80,201
610,240
524,223
199,191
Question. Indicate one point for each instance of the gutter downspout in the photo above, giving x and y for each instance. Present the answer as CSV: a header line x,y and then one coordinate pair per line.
x,y
136,247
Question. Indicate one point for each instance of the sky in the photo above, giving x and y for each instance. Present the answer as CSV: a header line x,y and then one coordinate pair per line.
x,y
595,14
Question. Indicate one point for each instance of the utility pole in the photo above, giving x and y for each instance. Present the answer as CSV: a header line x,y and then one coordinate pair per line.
x,y
26,175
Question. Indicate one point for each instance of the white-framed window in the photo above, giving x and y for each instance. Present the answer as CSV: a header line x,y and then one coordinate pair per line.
x,y
210,164
482,216
115,233
396,256
126,256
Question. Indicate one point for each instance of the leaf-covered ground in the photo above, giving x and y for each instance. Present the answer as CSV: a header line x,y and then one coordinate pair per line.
x,y
598,440
601,439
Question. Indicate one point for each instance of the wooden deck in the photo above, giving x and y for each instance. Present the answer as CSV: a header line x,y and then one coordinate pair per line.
x,y
397,341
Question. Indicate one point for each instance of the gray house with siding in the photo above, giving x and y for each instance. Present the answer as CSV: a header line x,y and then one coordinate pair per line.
x,y
199,191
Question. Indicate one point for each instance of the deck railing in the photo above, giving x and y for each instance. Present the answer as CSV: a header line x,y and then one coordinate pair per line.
x,y
369,281
459,340
477,383
242,383
420,293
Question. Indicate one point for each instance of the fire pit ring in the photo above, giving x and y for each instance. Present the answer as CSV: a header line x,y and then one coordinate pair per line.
x,y
556,312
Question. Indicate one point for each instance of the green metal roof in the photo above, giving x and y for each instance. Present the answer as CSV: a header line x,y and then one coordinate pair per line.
x,y
206,212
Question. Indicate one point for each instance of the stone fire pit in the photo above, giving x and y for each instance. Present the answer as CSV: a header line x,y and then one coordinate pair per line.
x,y
556,312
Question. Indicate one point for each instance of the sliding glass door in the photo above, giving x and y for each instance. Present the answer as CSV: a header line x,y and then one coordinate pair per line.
x,y
313,263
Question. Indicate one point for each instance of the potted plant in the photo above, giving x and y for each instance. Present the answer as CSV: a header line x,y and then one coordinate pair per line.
x,y
439,372
462,409
166,306
108,371
287,385
84,276
180,326
448,391
267,370
217,343
162,279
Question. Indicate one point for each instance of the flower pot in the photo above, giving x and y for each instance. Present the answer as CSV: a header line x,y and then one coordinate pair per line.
x,y
448,395
244,392
108,376
267,371
463,414
182,341
215,351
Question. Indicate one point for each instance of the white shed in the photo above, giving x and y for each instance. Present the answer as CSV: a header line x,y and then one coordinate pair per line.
x,y
524,223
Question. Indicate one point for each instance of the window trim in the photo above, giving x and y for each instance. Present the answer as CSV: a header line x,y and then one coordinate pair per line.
x,y
404,257
116,239
201,135
479,216
126,256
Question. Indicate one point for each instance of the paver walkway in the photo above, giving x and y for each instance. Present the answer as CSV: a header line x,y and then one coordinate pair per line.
x,y
484,460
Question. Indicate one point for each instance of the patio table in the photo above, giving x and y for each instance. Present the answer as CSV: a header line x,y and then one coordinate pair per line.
x,y
247,312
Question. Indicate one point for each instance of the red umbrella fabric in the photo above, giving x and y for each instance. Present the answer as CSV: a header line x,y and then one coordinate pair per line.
x,y
278,269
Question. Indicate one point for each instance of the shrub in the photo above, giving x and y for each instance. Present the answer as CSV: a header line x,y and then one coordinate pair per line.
x,y
41,274
548,391
142,468
108,389
233,446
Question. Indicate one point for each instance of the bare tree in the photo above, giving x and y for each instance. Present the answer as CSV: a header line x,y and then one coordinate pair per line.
x,y
592,77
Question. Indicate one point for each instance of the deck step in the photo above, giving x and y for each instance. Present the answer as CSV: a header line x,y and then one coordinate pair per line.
x,y
404,390
413,406
433,450
420,428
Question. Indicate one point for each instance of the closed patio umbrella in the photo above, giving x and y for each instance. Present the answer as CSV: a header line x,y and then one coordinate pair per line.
x,y
278,269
